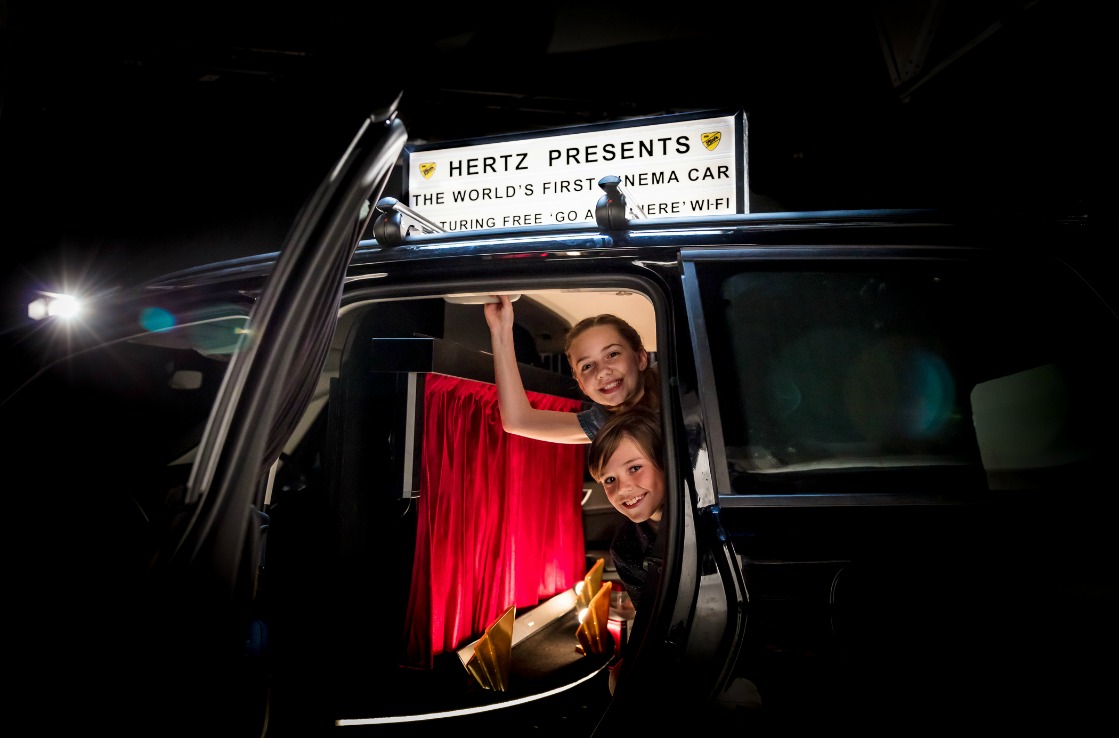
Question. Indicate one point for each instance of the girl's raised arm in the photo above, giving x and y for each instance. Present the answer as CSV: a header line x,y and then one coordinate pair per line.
x,y
517,414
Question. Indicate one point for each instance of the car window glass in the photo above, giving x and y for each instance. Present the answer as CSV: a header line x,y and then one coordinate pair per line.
x,y
991,377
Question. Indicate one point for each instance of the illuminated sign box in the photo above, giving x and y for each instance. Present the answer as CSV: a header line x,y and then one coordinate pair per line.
x,y
670,166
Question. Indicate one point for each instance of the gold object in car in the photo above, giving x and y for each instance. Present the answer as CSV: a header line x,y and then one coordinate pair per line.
x,y
493,653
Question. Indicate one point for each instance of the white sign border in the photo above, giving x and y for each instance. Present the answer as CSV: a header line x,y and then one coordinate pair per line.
x,y
413,153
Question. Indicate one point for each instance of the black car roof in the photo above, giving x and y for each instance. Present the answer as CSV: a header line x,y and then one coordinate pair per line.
x,y
816,228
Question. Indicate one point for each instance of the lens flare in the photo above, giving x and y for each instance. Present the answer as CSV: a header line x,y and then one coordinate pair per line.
x,y
156,319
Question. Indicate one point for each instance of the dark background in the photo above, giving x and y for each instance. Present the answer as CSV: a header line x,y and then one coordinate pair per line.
x,y
136,138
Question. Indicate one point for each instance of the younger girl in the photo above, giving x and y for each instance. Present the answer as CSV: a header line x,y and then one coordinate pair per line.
x,y
608,360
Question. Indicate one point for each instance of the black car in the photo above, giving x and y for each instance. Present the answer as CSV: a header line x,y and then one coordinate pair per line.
x,y
888,504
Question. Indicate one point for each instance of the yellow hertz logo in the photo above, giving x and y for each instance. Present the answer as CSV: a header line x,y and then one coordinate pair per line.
x,y
710,140
428,168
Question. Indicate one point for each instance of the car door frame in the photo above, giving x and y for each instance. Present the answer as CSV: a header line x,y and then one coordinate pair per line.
x,y
205,571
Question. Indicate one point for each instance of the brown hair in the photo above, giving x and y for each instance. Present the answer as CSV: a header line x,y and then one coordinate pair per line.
x,y
650,395
641,425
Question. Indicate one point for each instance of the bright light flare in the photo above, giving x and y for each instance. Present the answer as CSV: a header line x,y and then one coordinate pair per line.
x,y
53,304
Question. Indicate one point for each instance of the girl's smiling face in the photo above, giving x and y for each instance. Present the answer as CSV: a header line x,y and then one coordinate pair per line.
x,y
633,482
607,369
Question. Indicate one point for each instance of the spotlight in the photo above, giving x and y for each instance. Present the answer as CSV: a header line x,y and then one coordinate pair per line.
x,y
53,304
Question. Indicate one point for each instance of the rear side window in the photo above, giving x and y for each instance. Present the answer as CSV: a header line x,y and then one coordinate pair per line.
x,y
949,377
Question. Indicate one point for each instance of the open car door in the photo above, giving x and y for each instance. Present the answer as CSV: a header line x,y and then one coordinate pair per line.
x,y
201,583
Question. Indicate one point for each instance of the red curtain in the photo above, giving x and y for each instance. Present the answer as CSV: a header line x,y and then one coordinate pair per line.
x,y
500,519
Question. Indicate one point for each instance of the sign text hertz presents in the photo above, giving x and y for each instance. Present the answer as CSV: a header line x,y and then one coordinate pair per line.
x,y
670,166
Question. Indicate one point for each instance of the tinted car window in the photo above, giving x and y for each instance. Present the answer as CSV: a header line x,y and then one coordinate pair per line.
x,y
978,375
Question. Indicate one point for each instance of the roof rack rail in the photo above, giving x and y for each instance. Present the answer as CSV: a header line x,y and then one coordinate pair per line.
x,y
397,221
614,209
